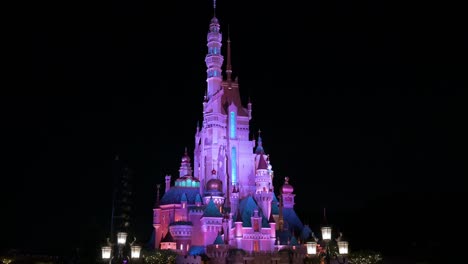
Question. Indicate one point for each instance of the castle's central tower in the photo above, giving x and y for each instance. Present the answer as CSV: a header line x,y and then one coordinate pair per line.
x,y
222,143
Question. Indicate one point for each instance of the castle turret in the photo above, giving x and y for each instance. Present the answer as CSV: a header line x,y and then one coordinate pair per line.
x,y
182,233
214,59
287,194
264,190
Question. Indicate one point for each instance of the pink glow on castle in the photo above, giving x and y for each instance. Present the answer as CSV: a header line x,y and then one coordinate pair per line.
x,y
226,200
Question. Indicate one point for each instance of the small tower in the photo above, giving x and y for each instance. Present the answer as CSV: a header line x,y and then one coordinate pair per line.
x,y
287,194
214,59
182,233
264,190
185,167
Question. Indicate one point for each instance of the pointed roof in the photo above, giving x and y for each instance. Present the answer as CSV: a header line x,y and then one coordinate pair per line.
x,y
259,149
198,198
230,87
247,207
211,210
183,198
168,238
186,157
262,164
271,219
218,240
232,96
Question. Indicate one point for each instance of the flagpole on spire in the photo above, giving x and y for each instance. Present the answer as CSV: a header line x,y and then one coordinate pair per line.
x,y
214,7
228,64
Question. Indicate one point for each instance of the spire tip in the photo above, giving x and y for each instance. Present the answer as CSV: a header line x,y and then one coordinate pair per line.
x,y
214,7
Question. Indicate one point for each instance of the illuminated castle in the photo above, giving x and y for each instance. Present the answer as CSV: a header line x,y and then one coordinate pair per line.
x,y
226,201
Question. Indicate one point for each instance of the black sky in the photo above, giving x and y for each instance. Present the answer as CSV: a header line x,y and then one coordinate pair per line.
x,y
360,104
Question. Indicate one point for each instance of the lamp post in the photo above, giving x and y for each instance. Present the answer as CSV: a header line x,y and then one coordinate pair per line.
x,y
342,246
329,254
117,253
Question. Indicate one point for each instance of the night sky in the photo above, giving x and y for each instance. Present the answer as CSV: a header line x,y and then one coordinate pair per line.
x,y
359,102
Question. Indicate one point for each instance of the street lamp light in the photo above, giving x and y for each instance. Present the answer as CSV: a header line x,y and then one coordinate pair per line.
x,y
121,238
106,252
343,247
329,254
326,233
136,250
117,253
311,247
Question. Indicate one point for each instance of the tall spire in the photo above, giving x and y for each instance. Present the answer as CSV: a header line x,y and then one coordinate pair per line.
x,y
228,63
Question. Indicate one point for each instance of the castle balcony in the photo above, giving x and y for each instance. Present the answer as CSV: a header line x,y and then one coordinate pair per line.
x,y
214,60
214,36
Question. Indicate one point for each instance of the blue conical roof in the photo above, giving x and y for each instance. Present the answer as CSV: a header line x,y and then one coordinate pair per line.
x,y
247,207
198,198
218,240
211,210
183,198
259,149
